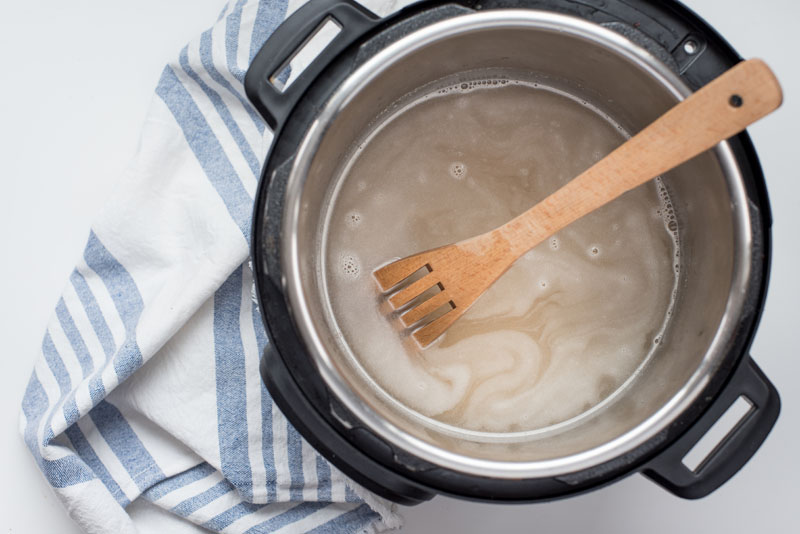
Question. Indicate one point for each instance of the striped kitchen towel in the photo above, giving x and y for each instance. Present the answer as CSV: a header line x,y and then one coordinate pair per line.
x,y
147,386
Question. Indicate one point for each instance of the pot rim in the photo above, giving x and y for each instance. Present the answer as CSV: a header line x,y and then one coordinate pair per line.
x,y
296,294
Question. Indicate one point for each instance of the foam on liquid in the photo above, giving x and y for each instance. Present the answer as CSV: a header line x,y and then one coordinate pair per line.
x,y
567,325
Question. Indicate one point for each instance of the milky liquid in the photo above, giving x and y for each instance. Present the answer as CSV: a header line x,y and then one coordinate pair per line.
x,y
567,325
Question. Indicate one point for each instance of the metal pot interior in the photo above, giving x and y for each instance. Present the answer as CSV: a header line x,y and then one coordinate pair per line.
x,y
633,88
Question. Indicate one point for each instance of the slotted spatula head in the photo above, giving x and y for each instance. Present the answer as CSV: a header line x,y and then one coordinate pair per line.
x,y
460,272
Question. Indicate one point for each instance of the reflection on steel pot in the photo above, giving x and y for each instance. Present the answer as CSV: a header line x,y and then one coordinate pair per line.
x,y
631,61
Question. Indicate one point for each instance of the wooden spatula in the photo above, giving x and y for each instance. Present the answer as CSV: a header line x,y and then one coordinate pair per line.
x,y
464,270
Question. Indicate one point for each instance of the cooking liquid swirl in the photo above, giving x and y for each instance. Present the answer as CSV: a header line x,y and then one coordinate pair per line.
x,y
567,325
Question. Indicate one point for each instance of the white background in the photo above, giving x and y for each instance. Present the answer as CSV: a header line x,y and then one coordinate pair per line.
x,y
77,80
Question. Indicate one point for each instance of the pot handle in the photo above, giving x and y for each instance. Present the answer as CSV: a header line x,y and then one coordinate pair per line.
x,y
288,39
734,450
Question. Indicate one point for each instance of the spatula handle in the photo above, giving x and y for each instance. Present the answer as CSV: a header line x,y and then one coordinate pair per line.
x,y
721,109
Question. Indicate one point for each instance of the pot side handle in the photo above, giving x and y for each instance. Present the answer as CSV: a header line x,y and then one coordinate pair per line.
x,y
734,450
287,40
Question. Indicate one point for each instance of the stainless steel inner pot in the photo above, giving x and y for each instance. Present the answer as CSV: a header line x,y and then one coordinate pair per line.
x,y
632,87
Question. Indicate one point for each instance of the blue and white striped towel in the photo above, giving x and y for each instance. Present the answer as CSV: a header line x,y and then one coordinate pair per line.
x,y
148,384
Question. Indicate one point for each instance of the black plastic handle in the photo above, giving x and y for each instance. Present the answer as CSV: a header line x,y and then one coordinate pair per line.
x,y
275,105
738,446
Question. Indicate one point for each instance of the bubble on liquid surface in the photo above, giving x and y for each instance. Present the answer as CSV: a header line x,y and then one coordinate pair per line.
x,y
554,243
350,265
594,251
352,219
458,170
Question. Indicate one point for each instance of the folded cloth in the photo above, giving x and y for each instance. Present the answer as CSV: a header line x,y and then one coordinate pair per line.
x,y
148,385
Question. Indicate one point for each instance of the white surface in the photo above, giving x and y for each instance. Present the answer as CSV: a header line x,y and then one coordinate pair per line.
x,y
77,80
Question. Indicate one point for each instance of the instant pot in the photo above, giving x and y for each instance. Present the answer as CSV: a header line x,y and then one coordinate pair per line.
x,y
633,59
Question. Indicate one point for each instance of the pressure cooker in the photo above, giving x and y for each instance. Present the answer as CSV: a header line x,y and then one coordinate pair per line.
x,y
632,58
